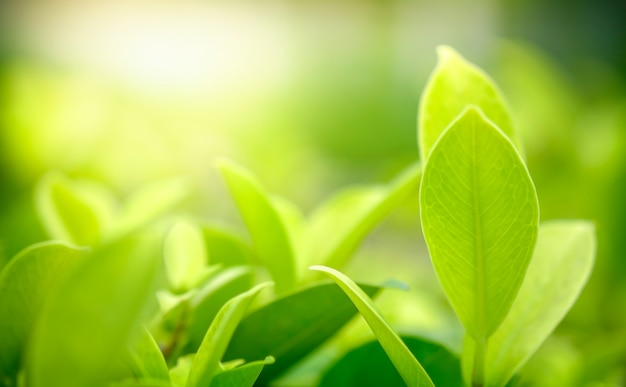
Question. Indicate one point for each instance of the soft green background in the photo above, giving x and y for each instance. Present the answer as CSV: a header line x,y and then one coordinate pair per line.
x,y
313,96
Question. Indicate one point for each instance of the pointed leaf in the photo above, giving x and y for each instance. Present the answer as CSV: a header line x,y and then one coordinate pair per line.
x,y
454,84
242,376
146,359
185,256
208,300
207,361
368,365
291,327
24,285
409,368
340,225
268,231
560,267
88,321
479,215
73,212
226,248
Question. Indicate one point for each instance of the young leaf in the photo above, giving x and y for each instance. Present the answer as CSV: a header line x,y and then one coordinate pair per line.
x,y
368,365
242,376
24,285
264,223
226,249
83,330
337,228
207,361
409,368
291,327
559,269
146,359
454,84
479,216
71,212
185,256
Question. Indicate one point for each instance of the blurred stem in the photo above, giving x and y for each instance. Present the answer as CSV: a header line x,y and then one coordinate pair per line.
x,y
478,374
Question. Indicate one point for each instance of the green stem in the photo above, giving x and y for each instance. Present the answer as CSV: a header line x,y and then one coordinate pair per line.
x,y
478,374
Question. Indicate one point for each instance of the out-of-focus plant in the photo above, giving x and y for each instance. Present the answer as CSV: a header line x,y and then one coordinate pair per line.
x,y
126,295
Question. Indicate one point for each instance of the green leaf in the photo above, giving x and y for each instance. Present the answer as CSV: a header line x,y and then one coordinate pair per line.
x,y
454,84
480,216
150,202
293,326
76,213
141,383
207,301
264,222
185,256
242,376
207,361
338,227
368,365
146,359
225,248
409,368
180,372
559,269
24,285
82,333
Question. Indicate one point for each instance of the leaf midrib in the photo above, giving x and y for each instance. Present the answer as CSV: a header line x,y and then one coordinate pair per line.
x,y
480,269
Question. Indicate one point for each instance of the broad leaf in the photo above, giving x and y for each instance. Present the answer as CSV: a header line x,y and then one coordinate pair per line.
x,y
293,326
146,359
368,365
560,267
409,368
76,213
24,286
454,84
206,363
241,376
268,231
82,333
338,227
226,249
185,256
479,216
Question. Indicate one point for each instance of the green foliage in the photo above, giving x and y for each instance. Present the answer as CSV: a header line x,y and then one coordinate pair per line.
x,y
409,368
292,326
479,216
24,285
159,303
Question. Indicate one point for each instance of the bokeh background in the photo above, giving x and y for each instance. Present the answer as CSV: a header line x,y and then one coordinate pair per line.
x,y
316,95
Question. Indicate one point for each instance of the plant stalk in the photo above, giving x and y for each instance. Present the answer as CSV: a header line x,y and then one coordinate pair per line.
x,y
478,373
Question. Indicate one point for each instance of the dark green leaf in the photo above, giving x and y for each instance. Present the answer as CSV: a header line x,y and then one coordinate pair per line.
x,y
293,326
369,365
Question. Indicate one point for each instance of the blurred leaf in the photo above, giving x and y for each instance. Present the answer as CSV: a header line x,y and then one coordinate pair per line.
x,y
24,286
409,368
77,213
146,358
83,331
368,365
225,248
242,376
180,372
141,383
480,216
454,84
206,363
339,226
559,269
207,301
264,222
185,256
150,202
291,327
